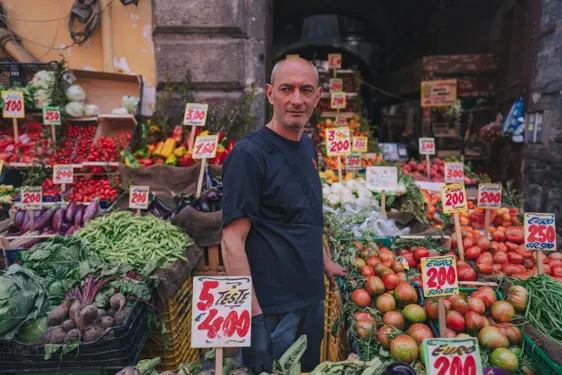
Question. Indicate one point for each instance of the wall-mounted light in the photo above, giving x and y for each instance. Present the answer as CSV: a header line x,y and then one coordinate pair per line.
x,y
129,2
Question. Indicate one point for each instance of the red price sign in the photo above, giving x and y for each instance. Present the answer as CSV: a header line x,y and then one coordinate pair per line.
x,y
334,60
195,114
454,173
341,121
31,197
439,276
427,146
205,146
338,141
63,174
138,197
13,104
540,232
51,116
489,196
337,100
360,144
454,356
353,162
221,315
336,84
453,198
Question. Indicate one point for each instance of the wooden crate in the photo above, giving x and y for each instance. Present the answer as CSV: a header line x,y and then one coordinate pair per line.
x,y
211,262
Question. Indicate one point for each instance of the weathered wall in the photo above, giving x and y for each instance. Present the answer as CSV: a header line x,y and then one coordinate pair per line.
x,y
222,43
543,162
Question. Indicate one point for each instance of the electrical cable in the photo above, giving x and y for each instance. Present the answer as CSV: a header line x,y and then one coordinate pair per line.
x,y
56,33
10,18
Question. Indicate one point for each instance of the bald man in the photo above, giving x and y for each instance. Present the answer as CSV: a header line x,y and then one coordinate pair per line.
x,y
273,222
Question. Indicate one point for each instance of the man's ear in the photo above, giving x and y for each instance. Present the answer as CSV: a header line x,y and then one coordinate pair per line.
x,y
269,93
318,95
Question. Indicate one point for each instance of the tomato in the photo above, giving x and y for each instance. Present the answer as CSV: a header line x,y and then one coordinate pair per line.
x,y
367,271
484,258
390,281
485,268
453,254
419,332
363,315
384,336
483,242
374,286
528,263
466,273
386,256
555,255
421,252
415,313
511,269
514,258
472,253
511,246
498,236
365,328
553,262
432,309
512,333
505,359
404,348
515,234
500,258
467,242
502,248
556,271
474,322
455,320
385,303
492,338
462,263
360,262
394,319
397,266
502,311
405,294
371,261
524,252
409,256
361,297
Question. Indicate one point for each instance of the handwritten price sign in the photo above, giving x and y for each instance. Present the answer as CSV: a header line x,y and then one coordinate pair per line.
x,y
454,198
360,144
63,174
337,100
336,84
540,232
353,162
31,197
439,276
489,195
454,173
452,356
334,60
221,312
427,146
341,121
51,116
338,141
13,104
205,146
382,178
138,197
195,114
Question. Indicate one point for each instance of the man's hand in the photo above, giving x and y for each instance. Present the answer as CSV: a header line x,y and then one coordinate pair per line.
x,y
333,270
258,356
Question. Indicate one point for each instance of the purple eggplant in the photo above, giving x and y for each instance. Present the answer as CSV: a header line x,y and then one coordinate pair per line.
x,y
70,212
18,220
45,219
64,227
91,211
78,216
38,213
71,231
58,218
27,221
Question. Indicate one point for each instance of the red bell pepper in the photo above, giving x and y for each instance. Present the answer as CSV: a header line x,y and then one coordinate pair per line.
x,y
230,146
177,134
221,136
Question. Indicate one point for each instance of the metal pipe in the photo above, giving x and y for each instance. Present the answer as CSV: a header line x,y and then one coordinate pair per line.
x,y
14,48
107,36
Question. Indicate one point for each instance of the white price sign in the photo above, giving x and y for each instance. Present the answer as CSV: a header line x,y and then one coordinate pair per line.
x,y
454,173
489,196
221,312
540,231
13,104
360,144
334,60
427,146
31,197
205,146
63,174
337,100
336,84
51,116
353,162
382,178
138,197
338,141
452,356
195,114
453,198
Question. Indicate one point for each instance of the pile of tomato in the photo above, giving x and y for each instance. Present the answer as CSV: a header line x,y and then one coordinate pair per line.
x,y
108,148
88,188
75,146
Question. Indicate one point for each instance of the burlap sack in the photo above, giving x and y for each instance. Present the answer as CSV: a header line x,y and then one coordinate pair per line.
x,y
175,274
204,227
407,219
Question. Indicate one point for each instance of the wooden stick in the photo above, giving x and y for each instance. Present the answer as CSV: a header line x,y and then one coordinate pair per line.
x,y
32,221
192,137
138,213
53,134
480,283
16,134
540,266
487,222
459,235
383,204
201,175
428,169
218,361
335,72
340,178
442,317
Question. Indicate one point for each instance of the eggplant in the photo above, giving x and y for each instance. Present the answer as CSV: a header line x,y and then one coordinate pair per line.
x,y
27,221
71,231
399,369
64,227
208,182
162,206
79,215
70,212
18,220
91,211
58,218
204,206
212,195
45,219
37,214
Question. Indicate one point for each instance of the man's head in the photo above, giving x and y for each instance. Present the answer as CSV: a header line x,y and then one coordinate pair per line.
x,y
293,92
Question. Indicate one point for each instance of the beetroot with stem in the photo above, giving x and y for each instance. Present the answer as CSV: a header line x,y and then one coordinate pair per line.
x,y
118,301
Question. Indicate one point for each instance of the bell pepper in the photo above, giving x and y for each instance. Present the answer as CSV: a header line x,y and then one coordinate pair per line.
x,y
177,134
172,159
130,160
221,136
204,132
168,148
141,154
158,161
180,151
150,150
158,149
146,162
186,161
230,146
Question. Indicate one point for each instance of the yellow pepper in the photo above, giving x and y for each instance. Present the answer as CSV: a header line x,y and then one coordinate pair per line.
x,y
204,132
180,151
220,148
172,159
150,149
158,149
168,148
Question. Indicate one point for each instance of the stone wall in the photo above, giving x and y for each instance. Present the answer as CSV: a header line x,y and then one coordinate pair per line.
x,y
543,162
222,43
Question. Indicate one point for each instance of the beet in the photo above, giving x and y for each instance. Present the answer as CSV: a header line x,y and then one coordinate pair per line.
x,y
75,309
108,334
121,316
67,303
101,313
106,322
57,316
68,325
87,315
72,336
54,336
92,333
111,312
118,301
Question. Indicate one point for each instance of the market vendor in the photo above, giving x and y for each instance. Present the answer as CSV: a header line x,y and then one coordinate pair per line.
x,y
273,222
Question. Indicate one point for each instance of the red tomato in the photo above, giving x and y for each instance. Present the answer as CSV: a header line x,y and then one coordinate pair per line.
x,y
514,258
524,252
498,236
500,258
515,234
486,268
466,273
467,242
528,263
472,253
485,258
557,271
502,248
421,252
511,246
553,262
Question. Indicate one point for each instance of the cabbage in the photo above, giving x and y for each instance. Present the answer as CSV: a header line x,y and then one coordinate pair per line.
x,y
43,80
120,111
75,93
91,110
32,331
130,103
75,109
42,98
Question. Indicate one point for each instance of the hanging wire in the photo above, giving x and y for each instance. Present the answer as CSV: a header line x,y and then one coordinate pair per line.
x,y
90,24
383,91
56,33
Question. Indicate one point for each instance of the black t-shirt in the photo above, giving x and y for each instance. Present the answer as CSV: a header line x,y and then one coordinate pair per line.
x,y
275,183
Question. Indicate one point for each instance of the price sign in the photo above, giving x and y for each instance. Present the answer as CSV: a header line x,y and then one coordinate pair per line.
x,y
452,356
337,100
360,144
382,178
138,197
453,198
221,312
540,232
31,197
195,114
454,173
427,146
336,84
13,104
439,276
341,121
63,174
489,196
353,162
205,146
338,141
51,116
334,60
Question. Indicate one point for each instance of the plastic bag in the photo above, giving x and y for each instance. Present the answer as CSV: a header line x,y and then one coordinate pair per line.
x,y
130,103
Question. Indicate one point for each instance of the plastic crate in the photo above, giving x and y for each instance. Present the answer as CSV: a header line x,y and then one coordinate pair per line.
x,y
332,349
103,354
542,362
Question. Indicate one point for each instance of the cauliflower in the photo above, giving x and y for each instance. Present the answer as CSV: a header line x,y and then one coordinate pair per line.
x,y
333,199
76,93
42,98
363,192
43,80
352,185
337,187
91,110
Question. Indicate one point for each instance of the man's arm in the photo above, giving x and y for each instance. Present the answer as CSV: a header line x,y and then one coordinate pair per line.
x,y
234,254
332,270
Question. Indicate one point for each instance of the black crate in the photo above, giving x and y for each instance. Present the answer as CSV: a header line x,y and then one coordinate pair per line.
x,y
103,354
12,73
